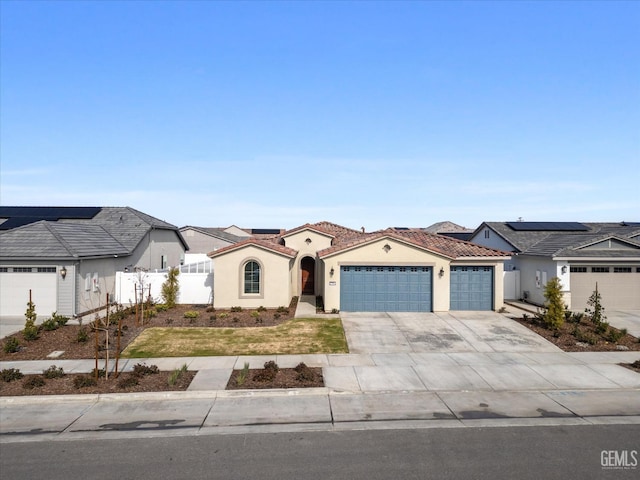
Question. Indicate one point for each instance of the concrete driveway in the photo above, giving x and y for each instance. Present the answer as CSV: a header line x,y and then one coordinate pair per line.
x,y
444,332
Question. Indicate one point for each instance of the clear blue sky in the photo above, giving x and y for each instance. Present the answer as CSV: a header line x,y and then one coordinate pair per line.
x,y
274,114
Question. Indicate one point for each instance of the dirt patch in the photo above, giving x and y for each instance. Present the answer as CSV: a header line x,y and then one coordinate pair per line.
x,y
122,384
66,338
582,336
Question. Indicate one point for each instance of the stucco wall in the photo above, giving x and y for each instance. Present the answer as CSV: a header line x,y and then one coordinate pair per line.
x,y
298,241
228,280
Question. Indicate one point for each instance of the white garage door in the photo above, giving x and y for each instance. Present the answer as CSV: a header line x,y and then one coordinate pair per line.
x,y
619,286
15,284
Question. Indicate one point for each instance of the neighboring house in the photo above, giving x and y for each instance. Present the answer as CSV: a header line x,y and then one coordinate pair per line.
x,y
580,254
202,240
68,256
390,270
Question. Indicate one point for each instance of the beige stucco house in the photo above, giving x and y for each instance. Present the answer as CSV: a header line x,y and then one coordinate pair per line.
x,y
389,270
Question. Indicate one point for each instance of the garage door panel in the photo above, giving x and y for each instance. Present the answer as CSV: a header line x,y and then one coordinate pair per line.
x,y
14,292
385,288
471,288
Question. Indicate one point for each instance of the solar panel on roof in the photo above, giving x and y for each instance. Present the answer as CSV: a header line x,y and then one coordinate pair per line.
x,y
19,216
265,231
548,226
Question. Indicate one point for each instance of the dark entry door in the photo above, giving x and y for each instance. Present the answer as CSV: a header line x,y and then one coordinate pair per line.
x,y
308,266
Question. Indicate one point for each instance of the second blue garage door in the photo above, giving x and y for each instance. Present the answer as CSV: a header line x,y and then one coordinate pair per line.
x,y
471,288
385,289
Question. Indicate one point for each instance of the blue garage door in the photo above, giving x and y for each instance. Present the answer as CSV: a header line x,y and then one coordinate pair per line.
x,y
385,289
471,288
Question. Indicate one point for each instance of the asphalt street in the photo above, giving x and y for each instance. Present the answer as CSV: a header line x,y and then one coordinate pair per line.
x,y
562,452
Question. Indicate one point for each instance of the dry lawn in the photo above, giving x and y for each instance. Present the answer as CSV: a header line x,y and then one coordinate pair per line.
x,y
297,336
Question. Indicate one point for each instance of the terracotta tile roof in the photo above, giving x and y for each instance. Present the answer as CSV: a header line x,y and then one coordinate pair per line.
x,y
446,246
268,244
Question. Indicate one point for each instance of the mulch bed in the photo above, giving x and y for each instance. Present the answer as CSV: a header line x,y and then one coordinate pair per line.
x,y
566,339
65,385
285,378
66,338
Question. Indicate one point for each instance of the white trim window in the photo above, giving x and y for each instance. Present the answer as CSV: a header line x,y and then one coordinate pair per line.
x,y
252,277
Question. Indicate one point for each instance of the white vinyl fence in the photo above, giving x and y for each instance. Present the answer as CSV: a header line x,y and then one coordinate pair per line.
x,y
196,287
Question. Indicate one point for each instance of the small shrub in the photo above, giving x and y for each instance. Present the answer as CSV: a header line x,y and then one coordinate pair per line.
x,y
128,381
101,373
261,309
586,337
53,372
83,381
243,374
171,287
269,372
150,313
255,314
49,325
577,317
554,314
163,307
140,370
169,321
335,311
11,345
33,381
30,331
236,319
595,309
304,373
602,328
10,374
212,319
276,316
191,314
615,335
223,315
282,309
82,336
525,317
236,309
61,320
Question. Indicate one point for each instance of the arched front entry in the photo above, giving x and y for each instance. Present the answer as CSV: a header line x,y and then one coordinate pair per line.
x,y
308,275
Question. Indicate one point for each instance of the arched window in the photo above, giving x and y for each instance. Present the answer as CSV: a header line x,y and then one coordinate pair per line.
x,y
252,277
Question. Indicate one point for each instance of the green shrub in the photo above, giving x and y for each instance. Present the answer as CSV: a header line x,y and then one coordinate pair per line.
x,y
162,307
261,309
61,320
30,331
10,374
616,335
223,315
282,309
82,336
191,314
602,327
150,313
236,309
83,381
555,310
595,310
171,287
34,381
276,316
53,372
11,345
49,325
101,373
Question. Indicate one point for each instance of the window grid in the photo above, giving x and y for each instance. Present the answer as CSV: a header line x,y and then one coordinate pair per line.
x,y
252,278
